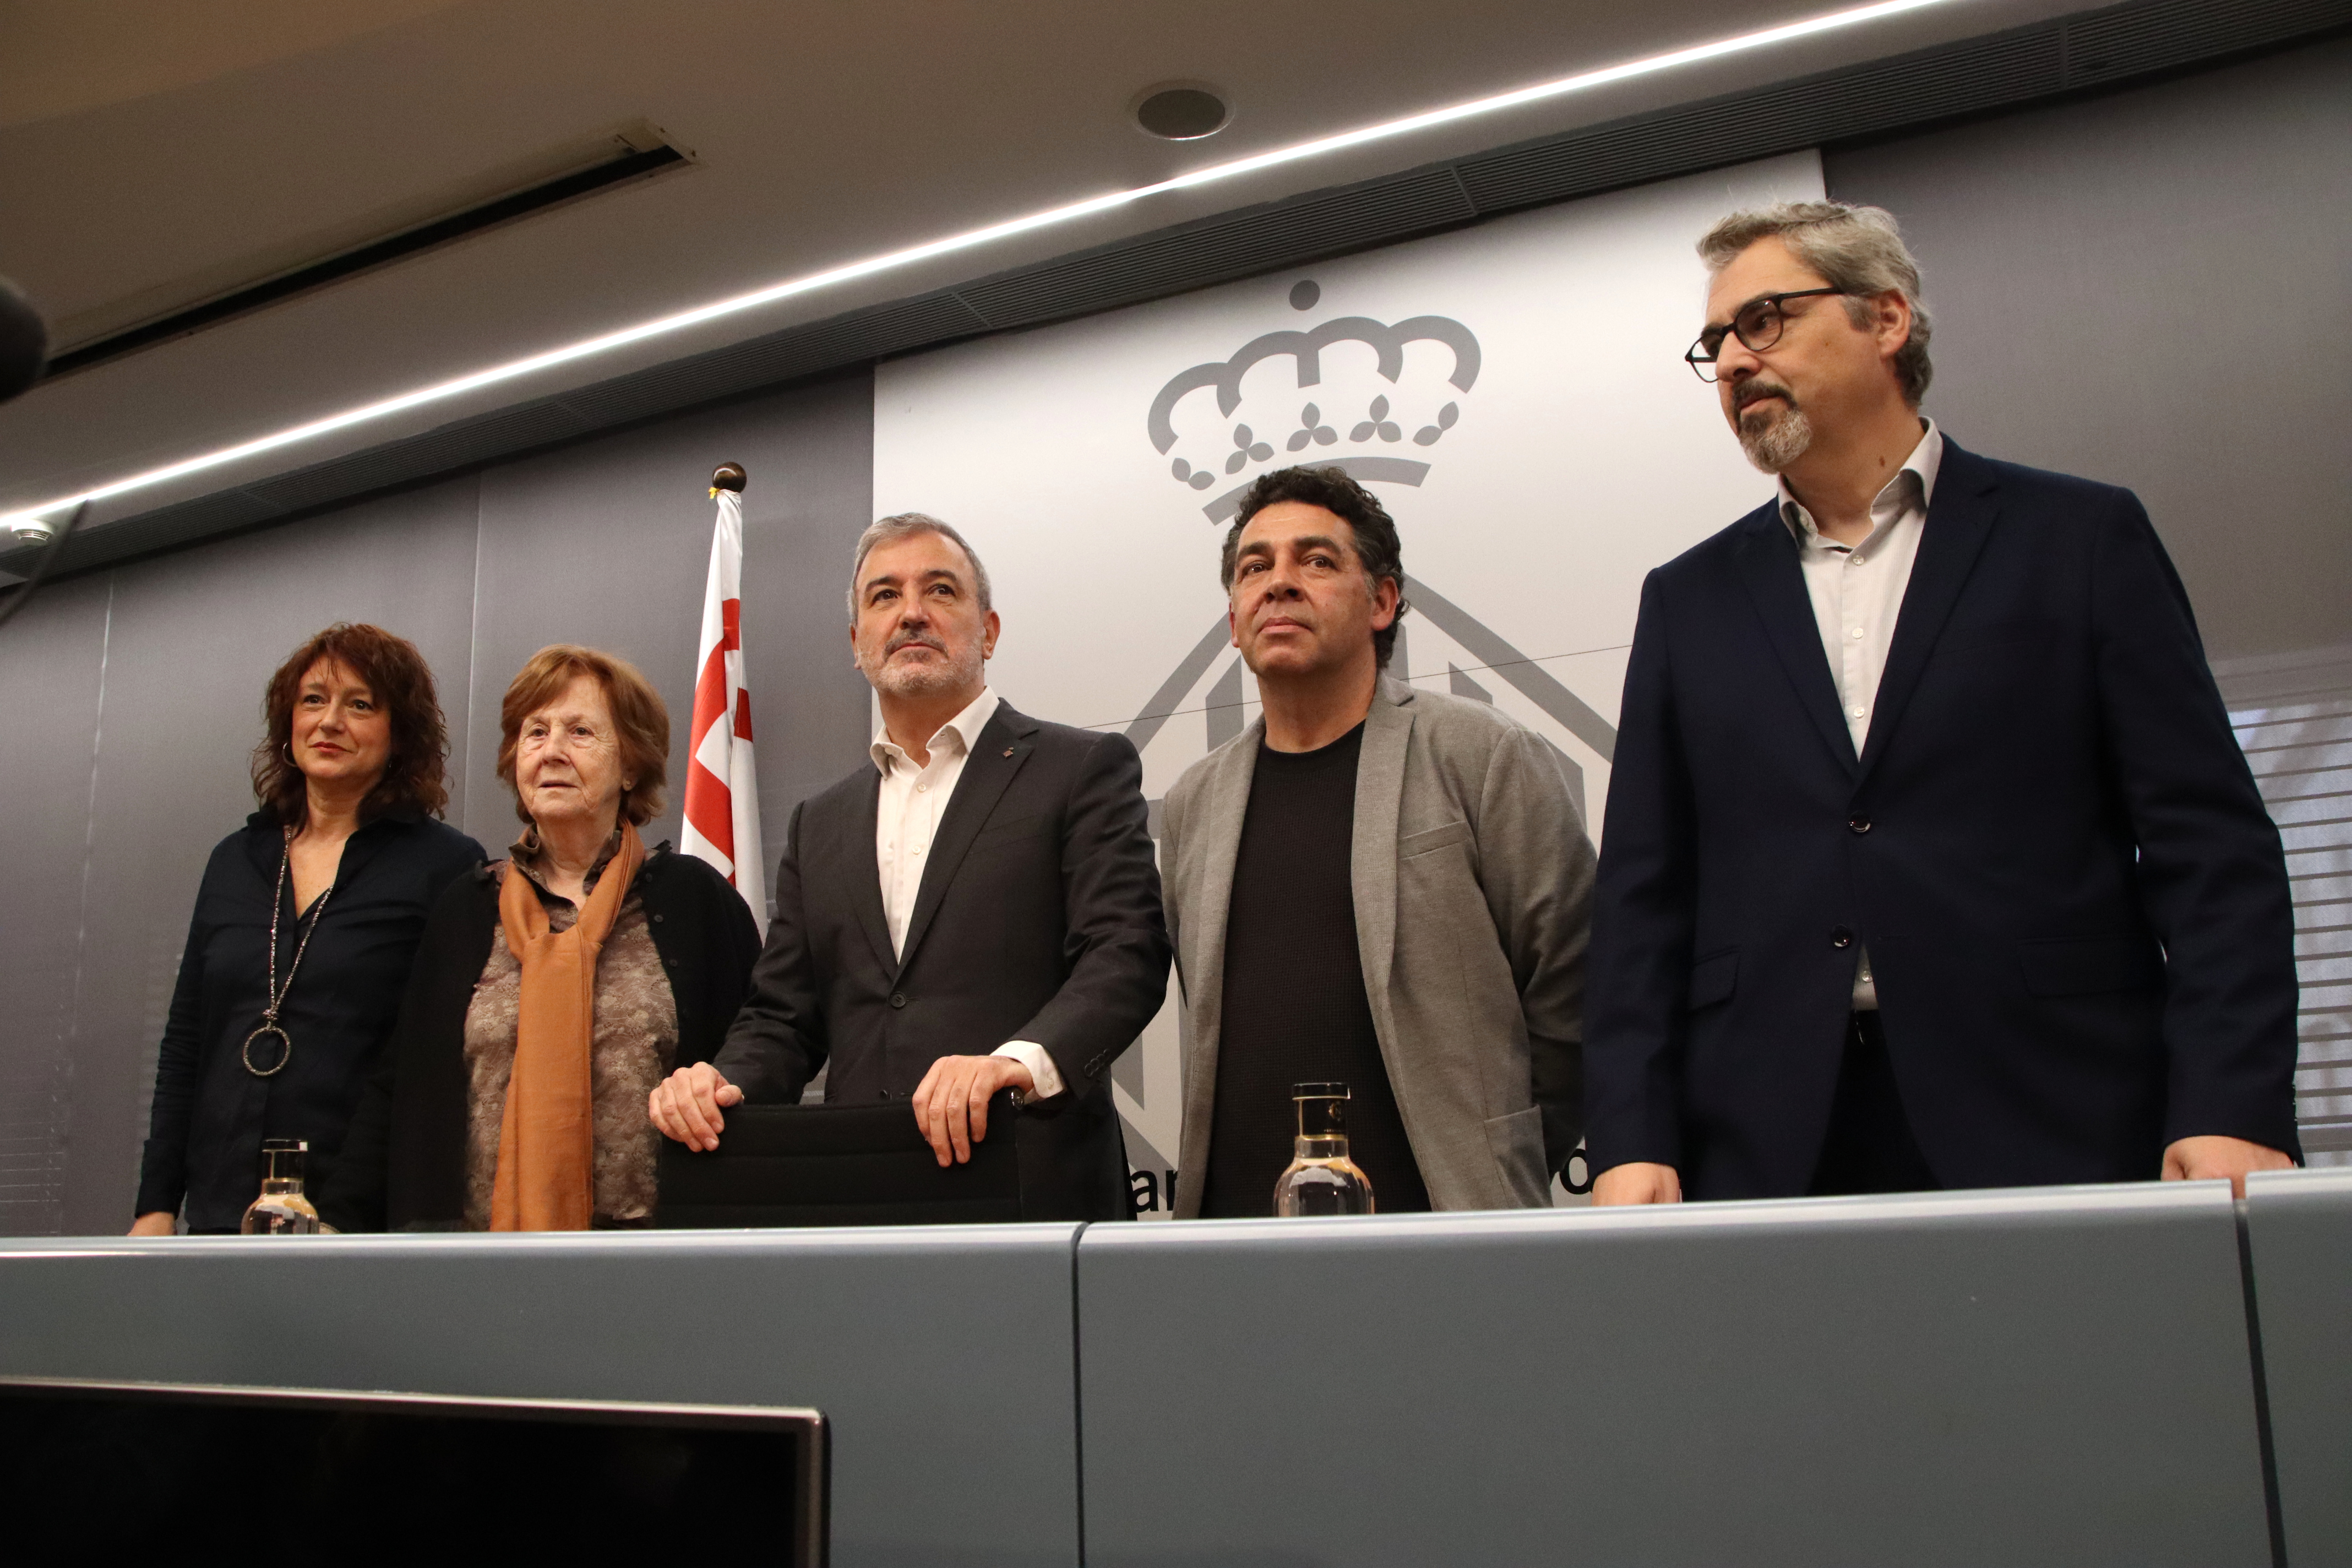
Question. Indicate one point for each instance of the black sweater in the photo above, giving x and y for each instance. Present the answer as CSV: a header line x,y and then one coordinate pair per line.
x,y
403,1164
1294,1008
210,1115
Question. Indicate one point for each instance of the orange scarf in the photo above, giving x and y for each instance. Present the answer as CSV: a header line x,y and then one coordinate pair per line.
x,y
546,1178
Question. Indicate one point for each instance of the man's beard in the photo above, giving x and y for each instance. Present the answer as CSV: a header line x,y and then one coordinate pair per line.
x,y
1773,441
931,675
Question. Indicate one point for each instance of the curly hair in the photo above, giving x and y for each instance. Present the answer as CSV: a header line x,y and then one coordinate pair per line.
x,y
640,720
396,674
1378,550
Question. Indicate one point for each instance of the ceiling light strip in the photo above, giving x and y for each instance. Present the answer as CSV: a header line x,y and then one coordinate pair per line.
x,y
972,239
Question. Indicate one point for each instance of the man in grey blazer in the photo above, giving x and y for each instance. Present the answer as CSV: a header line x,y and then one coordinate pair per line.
x,y
1372,885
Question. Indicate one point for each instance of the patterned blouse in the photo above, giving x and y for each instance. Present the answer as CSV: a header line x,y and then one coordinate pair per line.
x,y
632,1048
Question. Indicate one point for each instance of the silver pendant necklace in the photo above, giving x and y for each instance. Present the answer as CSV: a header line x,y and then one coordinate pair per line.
x,y
277,993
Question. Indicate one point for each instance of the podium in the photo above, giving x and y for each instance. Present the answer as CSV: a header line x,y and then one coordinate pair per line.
x,y
789,1165
2057,1376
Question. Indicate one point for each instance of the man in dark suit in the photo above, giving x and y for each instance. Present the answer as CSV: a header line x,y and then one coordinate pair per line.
x,y
1930,859
976,910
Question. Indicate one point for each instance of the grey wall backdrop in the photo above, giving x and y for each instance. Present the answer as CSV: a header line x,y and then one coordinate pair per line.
x,y
2148,288
2151,289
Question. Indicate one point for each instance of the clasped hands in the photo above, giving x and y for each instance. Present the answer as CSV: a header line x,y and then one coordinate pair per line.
x,y
951,1104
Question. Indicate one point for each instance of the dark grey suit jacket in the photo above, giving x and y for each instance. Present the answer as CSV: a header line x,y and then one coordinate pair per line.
x,y
1038,919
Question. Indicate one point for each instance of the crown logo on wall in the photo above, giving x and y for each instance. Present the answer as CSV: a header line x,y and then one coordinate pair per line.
x,y
1385,421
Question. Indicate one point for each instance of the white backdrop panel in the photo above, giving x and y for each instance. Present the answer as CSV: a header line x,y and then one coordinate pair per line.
x,y
1515,394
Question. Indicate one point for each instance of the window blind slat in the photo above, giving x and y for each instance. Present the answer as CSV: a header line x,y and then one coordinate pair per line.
x,y
2294,718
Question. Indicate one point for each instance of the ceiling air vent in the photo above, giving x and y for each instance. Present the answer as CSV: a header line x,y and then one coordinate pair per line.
x,y
632,155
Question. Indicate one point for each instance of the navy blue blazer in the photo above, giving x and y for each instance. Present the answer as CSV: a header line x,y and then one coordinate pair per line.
x,y
2075,905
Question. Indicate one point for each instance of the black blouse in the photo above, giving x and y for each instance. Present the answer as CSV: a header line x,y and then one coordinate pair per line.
x,y
203,1142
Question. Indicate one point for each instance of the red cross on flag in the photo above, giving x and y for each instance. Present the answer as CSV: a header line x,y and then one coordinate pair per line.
x,y
722,789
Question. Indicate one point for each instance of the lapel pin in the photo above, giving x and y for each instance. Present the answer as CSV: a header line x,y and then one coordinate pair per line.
x,y
1008,751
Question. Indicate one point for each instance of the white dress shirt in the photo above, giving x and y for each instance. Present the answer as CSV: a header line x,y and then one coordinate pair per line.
x,y
913,802
1857,592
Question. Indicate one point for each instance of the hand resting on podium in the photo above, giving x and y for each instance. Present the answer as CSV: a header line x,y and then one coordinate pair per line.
x,y
951,1104
685,1106
1637,1182
2206,1157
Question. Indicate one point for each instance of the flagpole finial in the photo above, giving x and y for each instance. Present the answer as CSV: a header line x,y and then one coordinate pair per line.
x,y
728,477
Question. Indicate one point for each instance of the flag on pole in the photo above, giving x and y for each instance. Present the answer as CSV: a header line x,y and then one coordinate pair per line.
x,y
722,790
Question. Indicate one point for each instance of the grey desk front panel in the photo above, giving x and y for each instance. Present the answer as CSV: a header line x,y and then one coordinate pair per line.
x,y
942,1356
2299,1224
2016,1378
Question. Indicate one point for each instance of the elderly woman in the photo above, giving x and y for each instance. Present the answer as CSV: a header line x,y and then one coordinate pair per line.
x,y
305,924
553,989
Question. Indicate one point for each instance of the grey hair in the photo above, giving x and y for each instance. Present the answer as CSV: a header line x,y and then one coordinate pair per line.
x,y
906,525
1856,248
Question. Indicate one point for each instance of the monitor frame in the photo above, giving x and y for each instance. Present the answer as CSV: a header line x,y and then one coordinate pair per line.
x,y
811,1483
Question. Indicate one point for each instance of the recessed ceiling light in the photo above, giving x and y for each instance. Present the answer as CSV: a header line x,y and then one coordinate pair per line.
x,y
970,239
1182,111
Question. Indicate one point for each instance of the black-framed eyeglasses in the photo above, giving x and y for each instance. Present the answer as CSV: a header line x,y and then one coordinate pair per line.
x,y
1757,324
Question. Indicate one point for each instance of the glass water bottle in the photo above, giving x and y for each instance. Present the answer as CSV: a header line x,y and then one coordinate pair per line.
x,y
1321,1179
281,1209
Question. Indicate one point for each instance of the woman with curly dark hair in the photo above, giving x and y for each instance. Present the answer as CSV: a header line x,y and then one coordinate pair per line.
x,y
305,926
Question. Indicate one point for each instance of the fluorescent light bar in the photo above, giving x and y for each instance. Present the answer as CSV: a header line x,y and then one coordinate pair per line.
x,y
968,240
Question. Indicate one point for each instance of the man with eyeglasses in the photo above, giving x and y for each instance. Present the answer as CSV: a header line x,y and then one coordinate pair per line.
x,y
1930,859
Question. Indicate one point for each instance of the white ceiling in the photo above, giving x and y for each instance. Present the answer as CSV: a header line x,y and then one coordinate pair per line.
x,y
153,152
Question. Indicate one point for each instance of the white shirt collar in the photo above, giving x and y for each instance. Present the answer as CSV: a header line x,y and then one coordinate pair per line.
x,y
961,733
1925,460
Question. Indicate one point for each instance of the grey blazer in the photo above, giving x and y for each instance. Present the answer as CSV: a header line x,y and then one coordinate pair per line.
x,y
1473,883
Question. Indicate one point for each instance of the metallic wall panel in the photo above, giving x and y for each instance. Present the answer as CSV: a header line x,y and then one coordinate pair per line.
x,y
2299,1231
52,666
2128,289
2125,39
609,544
775,359
152,532
1235,247
443,450
810,462
941,1356
1978,74
2052,1377
195,637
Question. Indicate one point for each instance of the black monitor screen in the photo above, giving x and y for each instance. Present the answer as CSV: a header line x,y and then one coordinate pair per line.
x,y
94,1469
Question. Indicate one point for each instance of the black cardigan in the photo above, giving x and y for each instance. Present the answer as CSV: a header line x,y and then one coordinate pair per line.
x,y
210,1115
403,1164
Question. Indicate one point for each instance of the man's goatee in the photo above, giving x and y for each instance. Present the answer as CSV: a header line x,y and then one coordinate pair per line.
x,y
1775,444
